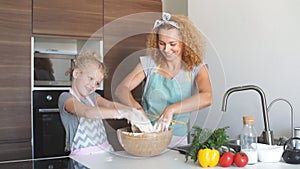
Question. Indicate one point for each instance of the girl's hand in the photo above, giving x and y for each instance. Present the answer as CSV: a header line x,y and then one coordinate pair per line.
x,y
137,117
133,115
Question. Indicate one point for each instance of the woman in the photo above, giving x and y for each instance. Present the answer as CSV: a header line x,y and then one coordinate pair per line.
x,y
176,79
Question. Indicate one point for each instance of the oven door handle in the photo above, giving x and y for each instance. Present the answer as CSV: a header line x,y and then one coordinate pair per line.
x,y
49,110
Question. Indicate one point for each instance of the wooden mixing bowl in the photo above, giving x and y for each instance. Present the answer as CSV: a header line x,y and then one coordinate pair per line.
x,y
144,144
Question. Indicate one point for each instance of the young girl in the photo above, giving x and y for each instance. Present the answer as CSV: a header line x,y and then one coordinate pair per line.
x,y
82,109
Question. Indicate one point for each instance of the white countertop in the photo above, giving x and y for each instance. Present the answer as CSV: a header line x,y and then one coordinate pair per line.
x,y
168,159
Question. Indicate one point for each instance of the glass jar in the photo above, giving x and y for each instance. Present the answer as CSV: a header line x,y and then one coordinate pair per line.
x,y
249,139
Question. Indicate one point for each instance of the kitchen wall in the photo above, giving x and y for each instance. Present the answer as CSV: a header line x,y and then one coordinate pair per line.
x,y
175,6
254,42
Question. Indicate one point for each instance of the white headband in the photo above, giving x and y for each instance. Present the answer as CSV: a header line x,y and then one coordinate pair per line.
x,y
165,20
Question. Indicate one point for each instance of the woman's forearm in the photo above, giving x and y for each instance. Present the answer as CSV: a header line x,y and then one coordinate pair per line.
x,y
130,82
125,96
122,94
196,102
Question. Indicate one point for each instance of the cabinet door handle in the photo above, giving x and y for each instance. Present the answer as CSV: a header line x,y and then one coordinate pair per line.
x,y
49,110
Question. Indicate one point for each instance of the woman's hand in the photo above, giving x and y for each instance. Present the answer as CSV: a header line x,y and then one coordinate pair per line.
x,y
165,119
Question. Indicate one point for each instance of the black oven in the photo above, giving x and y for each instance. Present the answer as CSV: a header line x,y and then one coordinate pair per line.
x,y
48,131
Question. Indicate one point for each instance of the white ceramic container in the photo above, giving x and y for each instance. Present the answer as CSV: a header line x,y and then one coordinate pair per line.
x,y
269,153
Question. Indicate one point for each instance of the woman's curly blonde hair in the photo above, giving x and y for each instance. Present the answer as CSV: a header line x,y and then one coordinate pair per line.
x,y
193,43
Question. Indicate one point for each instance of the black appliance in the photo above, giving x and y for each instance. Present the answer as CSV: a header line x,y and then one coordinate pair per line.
x,y
48,130
49,163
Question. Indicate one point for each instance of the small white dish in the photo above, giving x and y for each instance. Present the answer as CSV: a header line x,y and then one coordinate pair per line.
x,y
269,153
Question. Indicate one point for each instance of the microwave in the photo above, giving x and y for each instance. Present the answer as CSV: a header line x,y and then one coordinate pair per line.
x,y
51,67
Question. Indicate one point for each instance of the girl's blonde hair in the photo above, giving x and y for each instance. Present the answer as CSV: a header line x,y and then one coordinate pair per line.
x,y
85,58
193,43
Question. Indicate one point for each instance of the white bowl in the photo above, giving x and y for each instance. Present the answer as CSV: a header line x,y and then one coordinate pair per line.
x,y
269,153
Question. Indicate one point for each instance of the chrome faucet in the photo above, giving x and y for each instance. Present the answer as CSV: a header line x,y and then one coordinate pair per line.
x,y
267,134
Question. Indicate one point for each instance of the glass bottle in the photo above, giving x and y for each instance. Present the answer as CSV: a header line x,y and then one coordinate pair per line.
x,y
249,139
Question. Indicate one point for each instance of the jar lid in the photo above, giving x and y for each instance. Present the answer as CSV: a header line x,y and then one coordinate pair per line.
x,y
248,119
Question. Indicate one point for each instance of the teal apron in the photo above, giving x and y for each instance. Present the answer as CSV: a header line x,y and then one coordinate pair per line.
x,y
162,92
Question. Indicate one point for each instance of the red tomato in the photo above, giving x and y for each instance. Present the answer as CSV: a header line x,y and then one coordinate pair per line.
x,y
226,159
240,159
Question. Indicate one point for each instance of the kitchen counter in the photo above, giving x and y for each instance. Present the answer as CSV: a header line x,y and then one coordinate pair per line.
x,y
168,159
120,159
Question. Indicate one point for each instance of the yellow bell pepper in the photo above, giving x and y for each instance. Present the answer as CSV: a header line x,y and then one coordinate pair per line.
x,y
208,157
